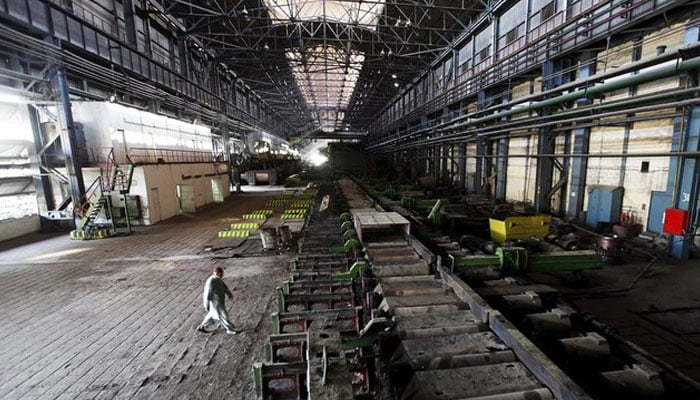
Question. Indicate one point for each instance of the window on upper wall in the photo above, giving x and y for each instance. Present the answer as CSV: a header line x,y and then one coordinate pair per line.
x,y
484,53
547,11
512,35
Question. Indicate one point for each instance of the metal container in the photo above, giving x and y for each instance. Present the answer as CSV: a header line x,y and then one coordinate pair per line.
x,y
284,234
269,238
611,249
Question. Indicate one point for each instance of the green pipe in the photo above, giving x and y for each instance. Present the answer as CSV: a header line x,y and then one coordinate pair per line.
x,y
643,77
554,119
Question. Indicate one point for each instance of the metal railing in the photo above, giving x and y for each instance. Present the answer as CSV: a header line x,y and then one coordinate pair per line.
x,y
563,31
140,156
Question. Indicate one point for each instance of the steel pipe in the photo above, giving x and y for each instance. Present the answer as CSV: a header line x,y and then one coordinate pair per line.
x,y
516,125
663,70
636,66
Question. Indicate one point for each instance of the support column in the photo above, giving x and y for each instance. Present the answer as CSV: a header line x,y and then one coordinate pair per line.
x,y
414,164
686,188
227,148
436,163
682,181
130,21
147,34
579,165
42,182
545,168
462,165
68,137
445,176
545,145
484,166
480,161
501,169
184,56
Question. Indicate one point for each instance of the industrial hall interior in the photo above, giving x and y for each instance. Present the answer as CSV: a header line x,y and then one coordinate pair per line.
x,y
350,199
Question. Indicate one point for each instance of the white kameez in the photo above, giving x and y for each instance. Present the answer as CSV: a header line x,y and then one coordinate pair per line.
x,y
214,299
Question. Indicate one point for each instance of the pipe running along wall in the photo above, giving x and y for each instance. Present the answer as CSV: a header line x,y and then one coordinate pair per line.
x,y
659,67
505,129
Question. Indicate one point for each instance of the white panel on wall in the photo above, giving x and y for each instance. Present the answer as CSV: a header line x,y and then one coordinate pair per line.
x,y
110,125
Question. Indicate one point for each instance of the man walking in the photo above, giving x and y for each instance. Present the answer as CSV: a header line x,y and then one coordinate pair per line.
x,y
214,299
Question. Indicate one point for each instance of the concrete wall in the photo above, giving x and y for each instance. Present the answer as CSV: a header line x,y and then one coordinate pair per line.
x,y
160,182
520,179
12,228
610,136
156,186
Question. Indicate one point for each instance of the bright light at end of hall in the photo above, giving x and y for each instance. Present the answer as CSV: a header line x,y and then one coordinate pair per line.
x,y
318,159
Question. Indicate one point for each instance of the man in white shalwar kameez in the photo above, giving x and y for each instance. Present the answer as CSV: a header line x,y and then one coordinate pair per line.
x,y
214,298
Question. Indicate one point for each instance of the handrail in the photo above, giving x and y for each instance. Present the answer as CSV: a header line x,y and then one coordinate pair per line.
x,y
140,155
597,14
107,179
87,200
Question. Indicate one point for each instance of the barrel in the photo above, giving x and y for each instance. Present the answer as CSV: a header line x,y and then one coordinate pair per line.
x,y
269,238
285,234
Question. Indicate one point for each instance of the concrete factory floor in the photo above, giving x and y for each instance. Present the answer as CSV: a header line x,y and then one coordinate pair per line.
x,y
116,318
660,313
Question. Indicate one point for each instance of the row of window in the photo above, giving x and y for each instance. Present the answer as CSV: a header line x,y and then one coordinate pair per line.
x,y
506,35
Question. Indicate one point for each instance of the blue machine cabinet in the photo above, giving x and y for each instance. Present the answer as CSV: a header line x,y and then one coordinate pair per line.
x,y
604,204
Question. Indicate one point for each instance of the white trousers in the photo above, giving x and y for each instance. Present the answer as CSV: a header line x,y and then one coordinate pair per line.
x,y
217,313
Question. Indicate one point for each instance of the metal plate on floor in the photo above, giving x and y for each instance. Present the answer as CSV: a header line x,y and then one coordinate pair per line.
x,y
683,322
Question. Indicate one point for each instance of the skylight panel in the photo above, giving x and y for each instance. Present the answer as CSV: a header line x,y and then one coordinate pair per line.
x,y
348,12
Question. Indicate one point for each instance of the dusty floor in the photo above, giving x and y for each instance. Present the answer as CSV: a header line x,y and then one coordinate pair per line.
x,y
115,318
666,285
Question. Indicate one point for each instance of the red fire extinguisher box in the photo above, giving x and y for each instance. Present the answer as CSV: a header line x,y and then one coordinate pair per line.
x,y
676,221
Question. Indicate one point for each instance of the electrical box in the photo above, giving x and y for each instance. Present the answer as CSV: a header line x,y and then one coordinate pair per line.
x,y
676,221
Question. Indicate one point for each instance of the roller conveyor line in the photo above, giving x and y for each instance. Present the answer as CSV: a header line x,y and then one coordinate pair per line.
x,y
450,352
447,350
382,320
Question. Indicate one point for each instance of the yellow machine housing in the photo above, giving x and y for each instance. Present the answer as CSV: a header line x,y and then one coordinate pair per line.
x,y
509,227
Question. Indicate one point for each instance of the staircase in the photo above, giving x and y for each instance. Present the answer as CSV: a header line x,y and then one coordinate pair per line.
x,y
95,202
114,179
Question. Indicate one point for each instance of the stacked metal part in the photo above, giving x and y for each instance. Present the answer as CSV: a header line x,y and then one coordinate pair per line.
x,y
438,346
306,356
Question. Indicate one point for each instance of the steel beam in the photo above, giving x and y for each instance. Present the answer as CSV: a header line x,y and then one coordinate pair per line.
x,y
685,190
44,192
683,175
462,165
579,165
501,169
68,137
129,10
544,171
